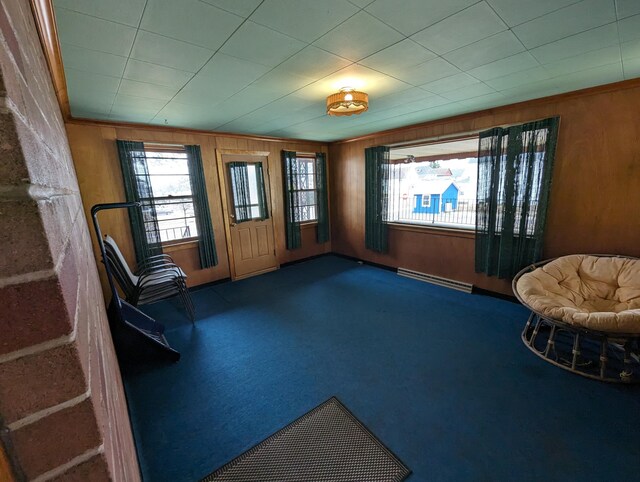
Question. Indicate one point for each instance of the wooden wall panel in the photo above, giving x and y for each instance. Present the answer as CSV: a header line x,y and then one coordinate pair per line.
x,y
595,195
98,170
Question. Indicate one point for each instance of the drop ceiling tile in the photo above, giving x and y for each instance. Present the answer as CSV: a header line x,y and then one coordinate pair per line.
x,y
428,71
413,94
358,37
191,116
314,63
144,89
595,39
515,13
244,102
630,50
91,61
535,90
567,21
175,54
305,20
281,82
262,119
203,91
448,84
627,8
226,72
130,116
414,106
595,58
468,92
496,47
127,12
124,114
261,45
190,21
413,15
290,104
91,100
78,113
80,80
629,28
239,7
126,102
155,74
93,33
524,77
632,68
485,101
470,25
604,74
403,54
506,66
361,3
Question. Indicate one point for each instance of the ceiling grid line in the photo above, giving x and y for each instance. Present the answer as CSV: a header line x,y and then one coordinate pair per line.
x,y
129,56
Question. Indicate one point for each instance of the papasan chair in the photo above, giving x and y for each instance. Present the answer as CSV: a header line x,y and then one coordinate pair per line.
x,y
585,314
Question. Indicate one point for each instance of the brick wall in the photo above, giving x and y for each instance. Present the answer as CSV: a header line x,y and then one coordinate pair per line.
x,y
63,414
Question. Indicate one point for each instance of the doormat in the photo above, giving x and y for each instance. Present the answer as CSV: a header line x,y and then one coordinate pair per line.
x,y
325,445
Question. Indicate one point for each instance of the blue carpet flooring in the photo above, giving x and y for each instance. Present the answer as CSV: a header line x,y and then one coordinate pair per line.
x,y
441,377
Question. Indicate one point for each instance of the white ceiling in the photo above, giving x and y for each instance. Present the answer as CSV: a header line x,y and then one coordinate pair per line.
x,y
266,66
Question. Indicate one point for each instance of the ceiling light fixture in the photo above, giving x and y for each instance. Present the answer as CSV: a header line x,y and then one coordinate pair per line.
x,y
347,102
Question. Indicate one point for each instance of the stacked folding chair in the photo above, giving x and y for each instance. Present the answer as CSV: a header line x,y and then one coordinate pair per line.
x,y
157,278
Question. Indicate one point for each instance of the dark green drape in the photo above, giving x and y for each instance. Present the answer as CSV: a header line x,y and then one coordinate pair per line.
x,y
321,199
514,180
137,188
206,240
291,200
240,187
377,173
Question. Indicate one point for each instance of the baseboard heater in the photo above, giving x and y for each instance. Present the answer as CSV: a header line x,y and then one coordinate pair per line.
x,y
436,280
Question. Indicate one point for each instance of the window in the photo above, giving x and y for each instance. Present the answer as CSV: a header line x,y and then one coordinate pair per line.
x,y
248,191
303,185
172,197
434,184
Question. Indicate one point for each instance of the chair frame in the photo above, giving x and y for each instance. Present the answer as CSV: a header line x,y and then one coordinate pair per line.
x,y
158,277
543,336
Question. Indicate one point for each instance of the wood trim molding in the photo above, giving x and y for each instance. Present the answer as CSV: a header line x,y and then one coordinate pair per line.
x,y
45,19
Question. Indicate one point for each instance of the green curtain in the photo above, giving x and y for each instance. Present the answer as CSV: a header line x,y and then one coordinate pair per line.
x,y
206,240
137,188
514,180
321,198
291,200
377,178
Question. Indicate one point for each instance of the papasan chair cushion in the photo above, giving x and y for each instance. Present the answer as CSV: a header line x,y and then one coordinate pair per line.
x,y
599,293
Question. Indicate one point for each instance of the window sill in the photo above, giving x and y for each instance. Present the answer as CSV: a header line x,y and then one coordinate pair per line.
x,y
171,246
308,224
436,230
